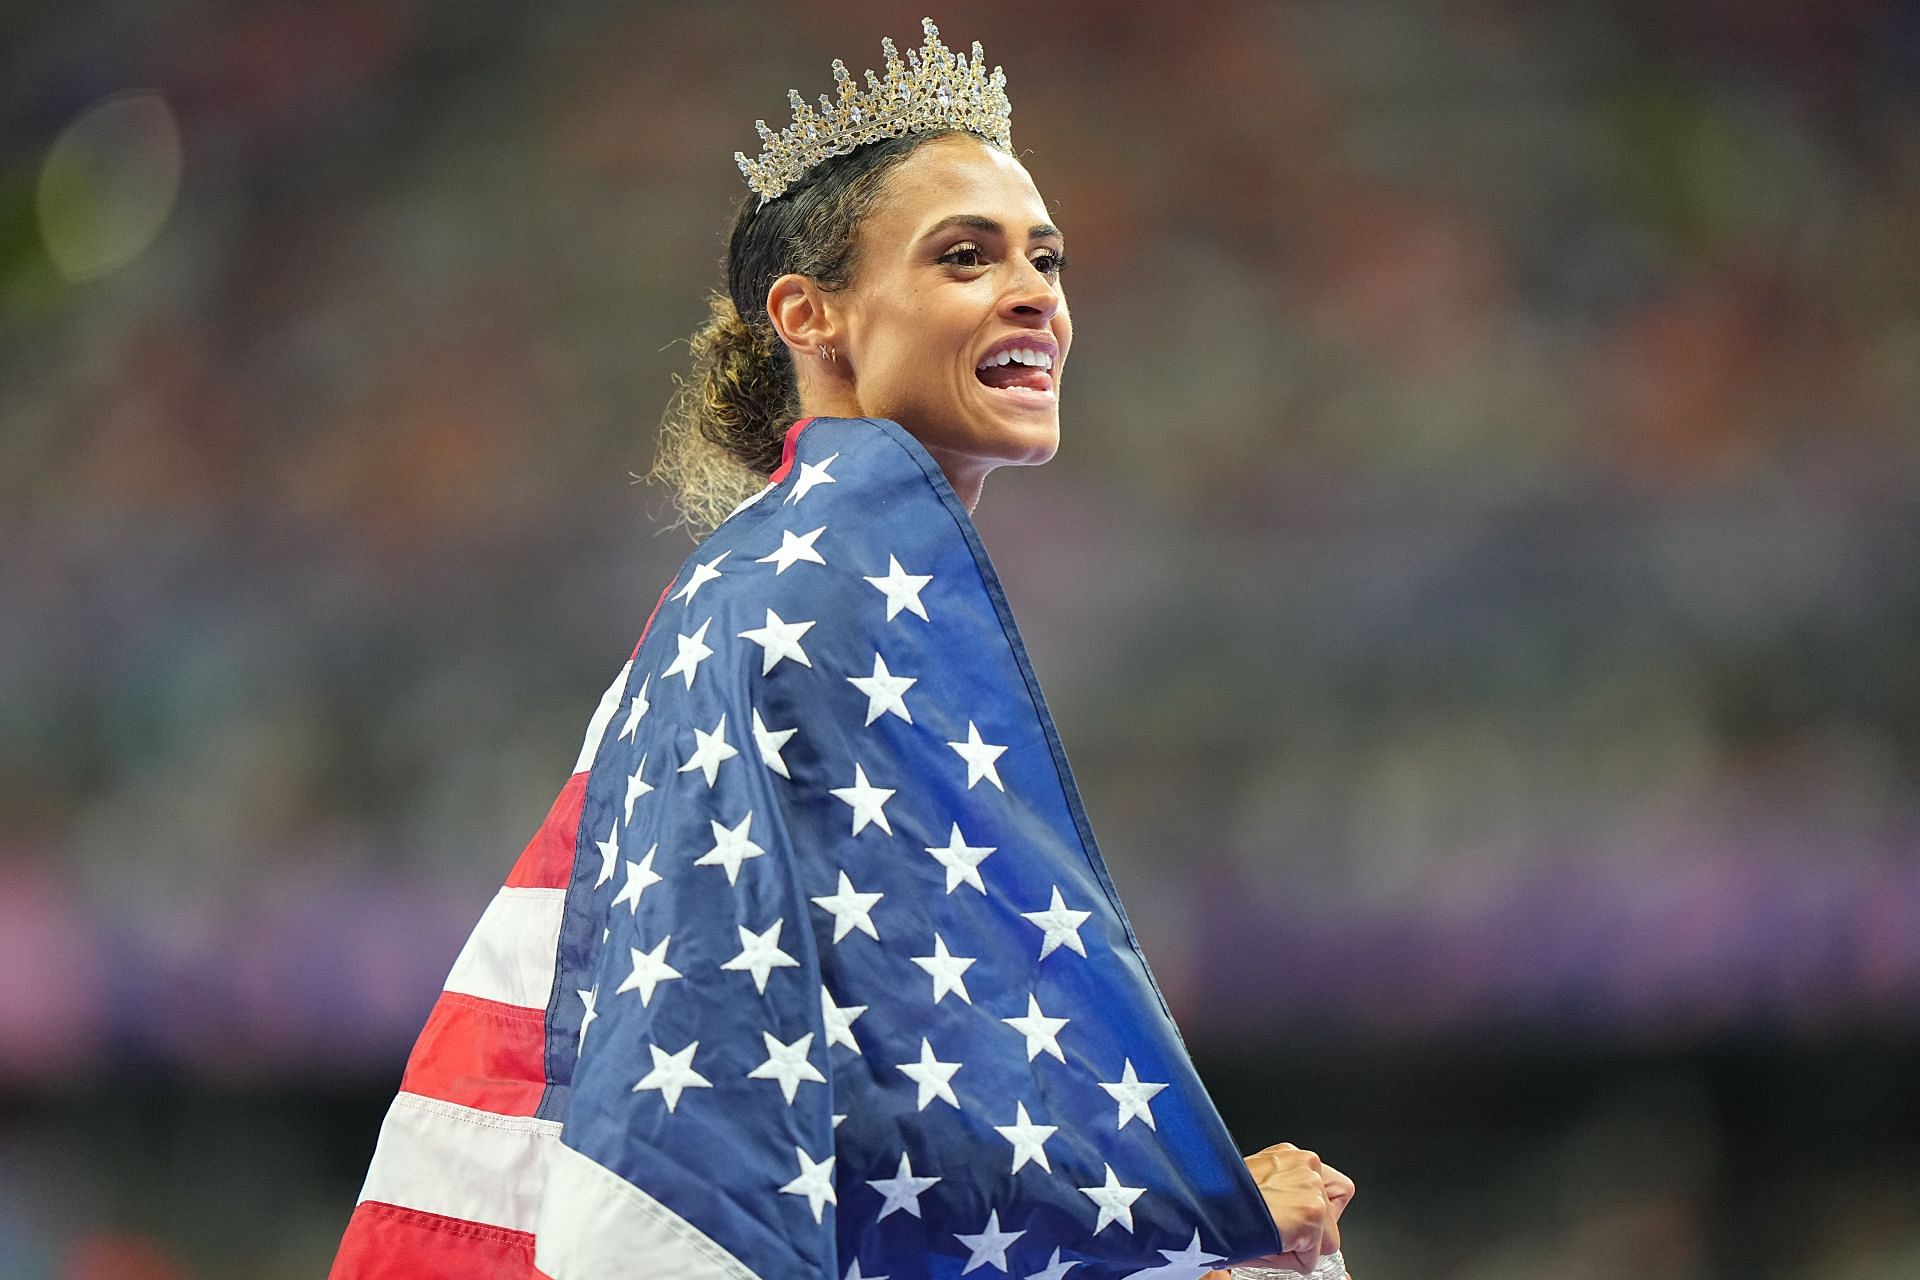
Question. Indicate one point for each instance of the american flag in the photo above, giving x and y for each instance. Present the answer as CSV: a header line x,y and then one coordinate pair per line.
x,y
814,968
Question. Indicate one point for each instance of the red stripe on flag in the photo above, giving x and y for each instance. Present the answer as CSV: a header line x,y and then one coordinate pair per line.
x,y
786,451
547,861
650,617
388,1242
481,1054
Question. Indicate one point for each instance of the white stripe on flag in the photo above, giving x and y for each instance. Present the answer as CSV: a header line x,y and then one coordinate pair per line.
x,y
594,1224
442,1158
509,956
744,504
602,717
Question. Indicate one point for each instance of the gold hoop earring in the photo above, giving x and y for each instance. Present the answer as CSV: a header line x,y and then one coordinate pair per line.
x,y
828,354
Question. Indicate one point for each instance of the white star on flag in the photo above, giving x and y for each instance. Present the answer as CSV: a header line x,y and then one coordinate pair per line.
x,y
1114,1200
787,1063
609,853
760,954
770,742
884,690
853,1273
1189,1263
1042,1032
903,1190
587,998
693,652
1029,1139
850,909
1060,926
710,750
868,801
946,970
640,878
673,1074
901,588
980,757
639,708
840,1020
815,1183
792,550
779,639
1134,1096
990,1246
730,847
650,969
811,474
1055,1268
961,860
702,574
934,1078
637,786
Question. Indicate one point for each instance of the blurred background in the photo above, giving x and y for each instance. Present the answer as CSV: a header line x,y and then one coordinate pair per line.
x,y
1477,586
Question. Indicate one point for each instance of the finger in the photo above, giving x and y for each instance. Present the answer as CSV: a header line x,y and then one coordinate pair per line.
x,y
1339,1188
1269,1155
1325,1239
1281,1151
1307,1246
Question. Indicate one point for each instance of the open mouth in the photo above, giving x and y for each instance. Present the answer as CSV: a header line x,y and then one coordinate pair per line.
x,y
1022,371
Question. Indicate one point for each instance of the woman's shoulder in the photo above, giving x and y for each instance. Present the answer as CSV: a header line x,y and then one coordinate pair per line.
x,y
849,491
857,512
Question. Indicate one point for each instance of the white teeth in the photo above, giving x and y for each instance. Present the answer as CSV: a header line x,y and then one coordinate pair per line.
x,y
1020,355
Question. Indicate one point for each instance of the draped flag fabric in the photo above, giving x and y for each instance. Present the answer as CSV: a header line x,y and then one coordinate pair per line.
x,y
814,969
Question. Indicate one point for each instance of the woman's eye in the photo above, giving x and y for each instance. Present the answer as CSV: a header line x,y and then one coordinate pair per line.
x,y
1047,262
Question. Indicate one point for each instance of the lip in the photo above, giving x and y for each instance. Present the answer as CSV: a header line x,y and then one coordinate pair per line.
x,y
1022,399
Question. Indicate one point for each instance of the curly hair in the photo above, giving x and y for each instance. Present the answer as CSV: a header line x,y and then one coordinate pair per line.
x,y
723,430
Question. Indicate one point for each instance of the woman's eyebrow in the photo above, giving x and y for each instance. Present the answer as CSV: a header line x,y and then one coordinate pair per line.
x,y
1039,231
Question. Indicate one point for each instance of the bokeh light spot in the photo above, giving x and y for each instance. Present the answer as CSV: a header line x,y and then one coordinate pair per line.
x,y
109,181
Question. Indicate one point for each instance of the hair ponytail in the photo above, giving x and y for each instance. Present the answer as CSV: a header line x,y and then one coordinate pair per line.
x,y
724,429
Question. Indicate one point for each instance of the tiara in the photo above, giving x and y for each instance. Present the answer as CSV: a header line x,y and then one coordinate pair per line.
x,y
934,88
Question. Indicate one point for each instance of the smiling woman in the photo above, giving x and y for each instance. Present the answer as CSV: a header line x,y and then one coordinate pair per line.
x,y
939,304
885,285
818,1028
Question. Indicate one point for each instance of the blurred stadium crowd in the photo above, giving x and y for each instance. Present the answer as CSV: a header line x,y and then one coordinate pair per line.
x,y
1476,586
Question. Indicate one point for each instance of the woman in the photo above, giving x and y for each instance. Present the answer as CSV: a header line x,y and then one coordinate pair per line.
x,y
814,968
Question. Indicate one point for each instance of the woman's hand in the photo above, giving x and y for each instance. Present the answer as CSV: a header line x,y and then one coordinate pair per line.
x,y
1306,1198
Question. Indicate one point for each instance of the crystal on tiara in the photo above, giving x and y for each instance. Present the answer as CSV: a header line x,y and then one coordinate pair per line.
x,y
934,89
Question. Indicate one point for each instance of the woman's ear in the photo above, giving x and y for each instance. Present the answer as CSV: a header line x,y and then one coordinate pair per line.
x,y
798,308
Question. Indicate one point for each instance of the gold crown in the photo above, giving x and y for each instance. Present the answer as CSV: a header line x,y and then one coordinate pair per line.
x,y
934,89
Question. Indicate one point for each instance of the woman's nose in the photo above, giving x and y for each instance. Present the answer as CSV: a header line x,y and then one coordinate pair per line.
x,y
1035,294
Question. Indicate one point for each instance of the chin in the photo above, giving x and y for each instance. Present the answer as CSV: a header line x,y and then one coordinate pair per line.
x,y
1043,450
1021,444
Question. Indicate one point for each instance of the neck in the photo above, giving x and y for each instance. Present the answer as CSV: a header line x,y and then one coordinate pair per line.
x,y
966,475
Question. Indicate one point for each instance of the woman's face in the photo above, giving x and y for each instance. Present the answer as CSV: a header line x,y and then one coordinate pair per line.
x,y
956,265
